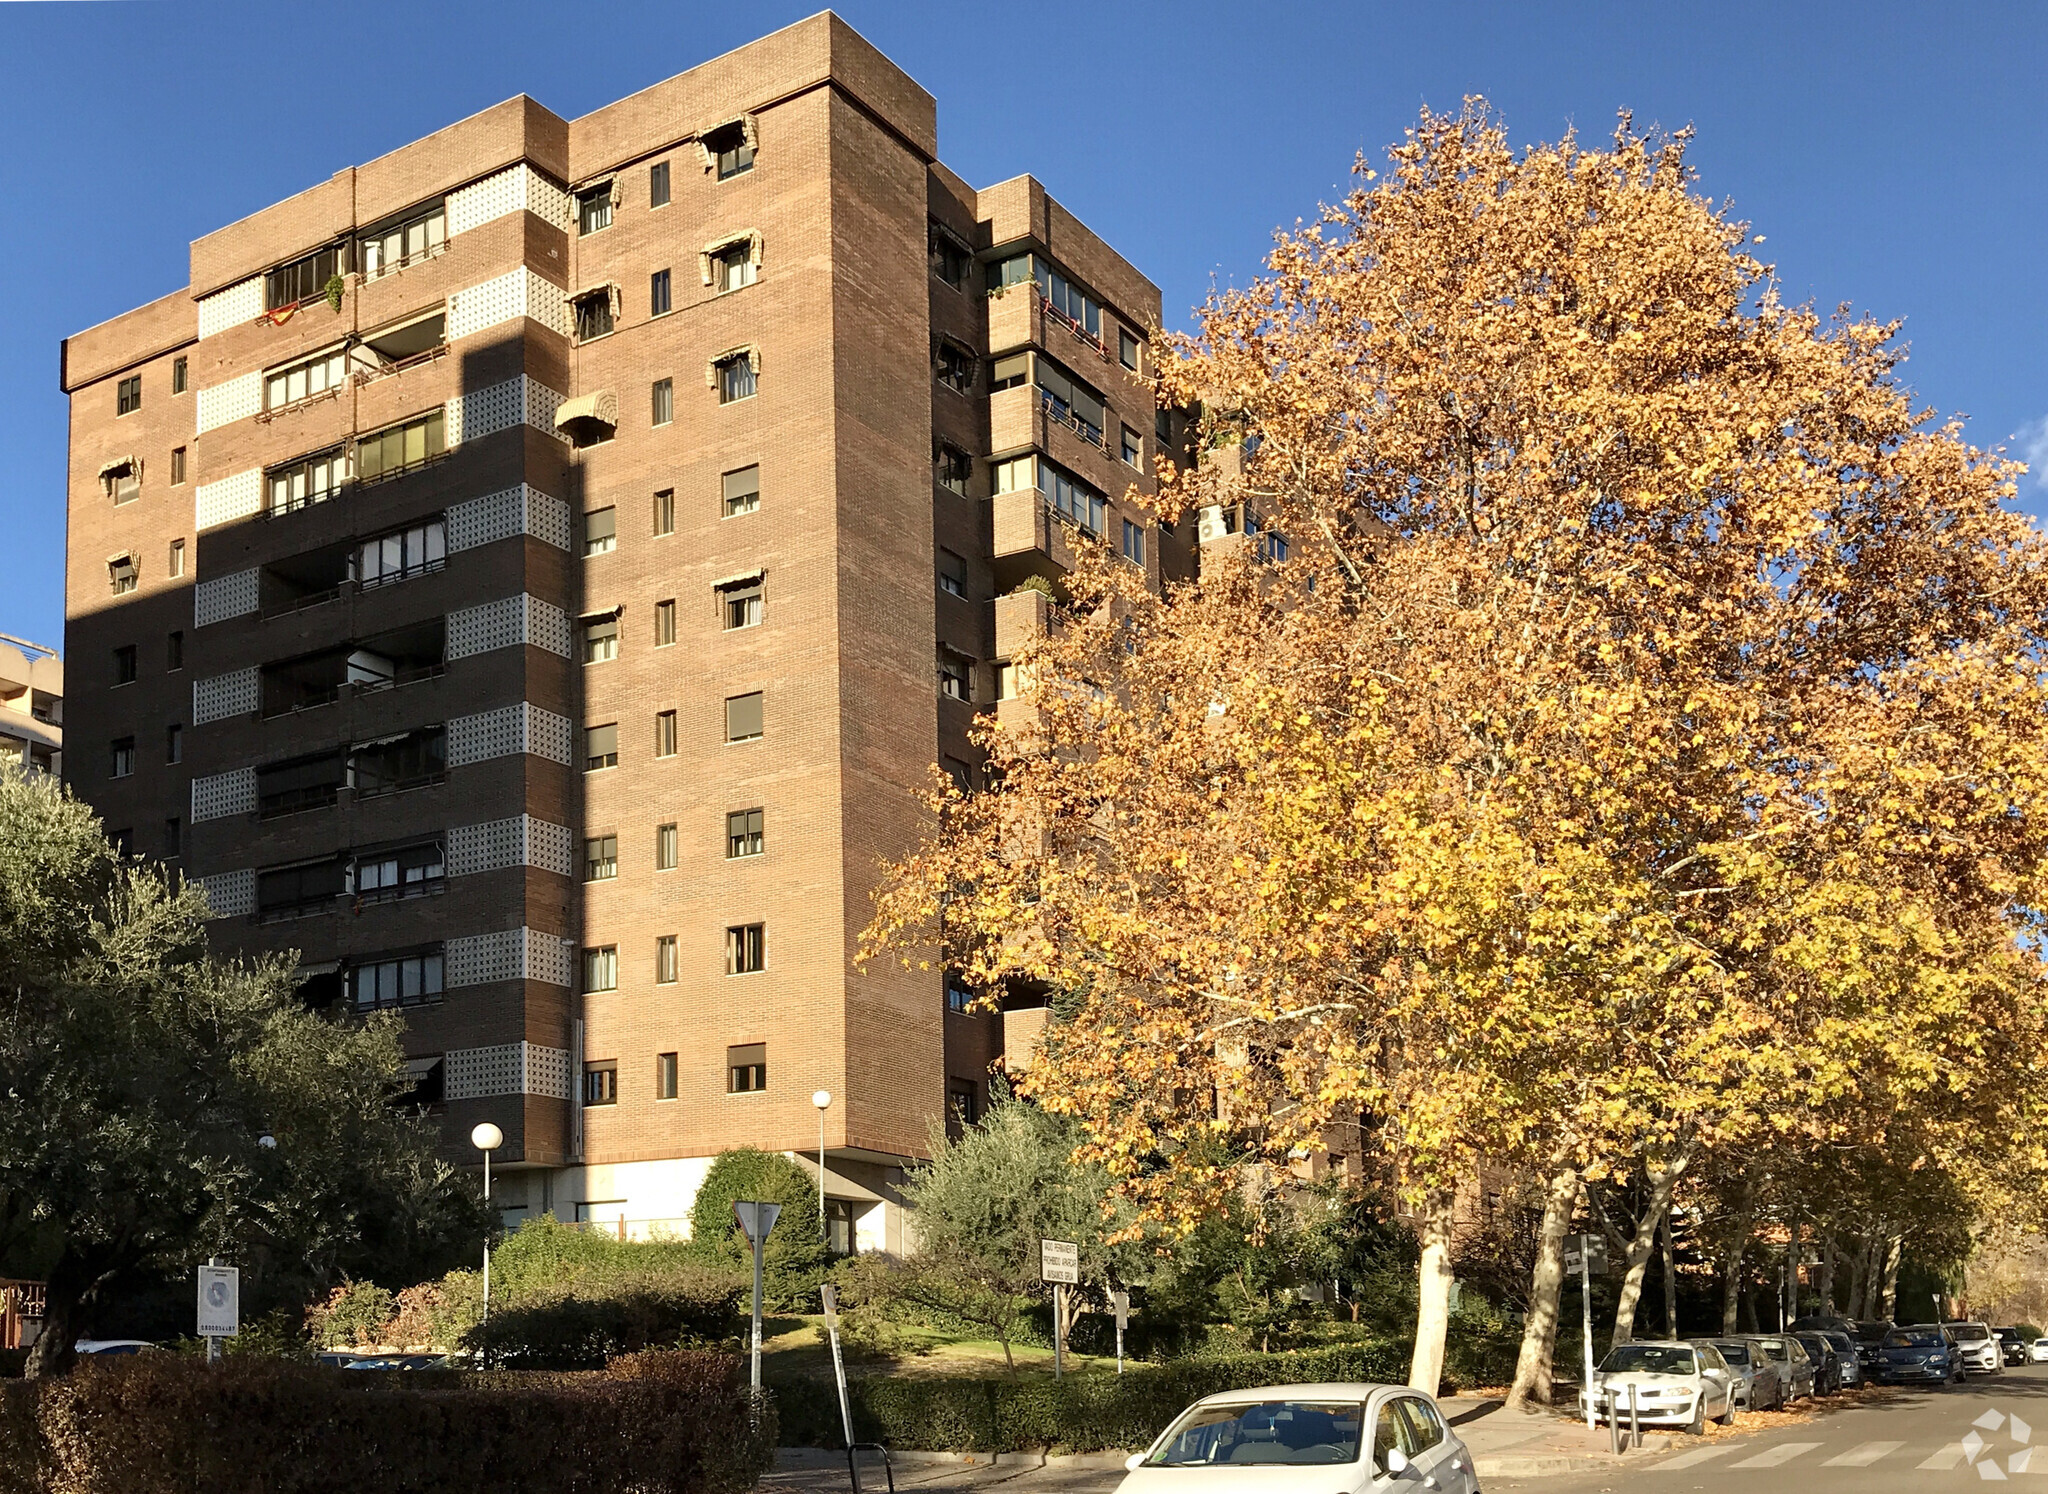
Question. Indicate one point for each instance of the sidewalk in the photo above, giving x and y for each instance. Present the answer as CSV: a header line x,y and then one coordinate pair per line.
x,y
1507,1444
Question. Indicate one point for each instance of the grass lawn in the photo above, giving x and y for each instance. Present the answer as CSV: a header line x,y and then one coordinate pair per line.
x,y
792,1346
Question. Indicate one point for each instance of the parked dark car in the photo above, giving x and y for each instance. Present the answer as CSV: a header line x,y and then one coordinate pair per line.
x,y
1848,1363
2014,1345
1869,1336
1827,1365
1795,1366
1920,1353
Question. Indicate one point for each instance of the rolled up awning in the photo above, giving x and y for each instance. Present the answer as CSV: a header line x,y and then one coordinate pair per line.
x,y
118,466
601,408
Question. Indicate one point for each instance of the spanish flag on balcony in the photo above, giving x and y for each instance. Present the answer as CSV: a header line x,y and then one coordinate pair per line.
x,y
279,315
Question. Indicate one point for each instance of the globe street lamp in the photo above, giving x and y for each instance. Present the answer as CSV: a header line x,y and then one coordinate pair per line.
x,y
822,1098
487,1138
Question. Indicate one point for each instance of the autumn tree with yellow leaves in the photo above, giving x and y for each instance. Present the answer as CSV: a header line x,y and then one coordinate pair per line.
x,y
1638,755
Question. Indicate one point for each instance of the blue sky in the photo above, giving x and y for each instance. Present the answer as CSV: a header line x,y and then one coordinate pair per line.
x,y
1893,154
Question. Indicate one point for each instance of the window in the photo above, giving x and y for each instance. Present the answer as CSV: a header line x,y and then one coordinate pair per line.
x,y
951,260
955,367
405,981
174,650
303,278
593,314
600,531
952,467
1134,543
174,836
839,1226
954,677
1061,295
601,1082
181,375
746,948
1127,348
402,241
128,395
657,184
735,378
303,380
1068,400
665,734
1132,453
313,479
743,717
742,491
394,763
121,574
174,560
960,772
658,299
1013,474
665,512
594,208
174,744
177,465
1006,680
400,554
601,968
665,960
600,858
309,887
124,664
739,604
746,1068
731,147
300,783
1064,493
411,871
1013,372
665,1070
952,573
123,756
123,482
1162,427
600,747
959,994
665,856
664,624
401,448
734,267
124,841
744,833
601,638
963,1101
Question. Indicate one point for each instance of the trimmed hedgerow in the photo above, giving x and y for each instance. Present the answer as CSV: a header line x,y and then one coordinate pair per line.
x,y
663,1423
1085,1413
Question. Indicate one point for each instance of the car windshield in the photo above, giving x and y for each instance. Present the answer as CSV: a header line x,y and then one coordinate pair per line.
x,y
1297,1432
1969,1333
1649,1359
1871,1333
1735,1354
1913,1338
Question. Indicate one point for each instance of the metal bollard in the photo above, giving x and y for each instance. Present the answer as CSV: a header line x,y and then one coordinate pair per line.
x,y
1635,1426
1613,1423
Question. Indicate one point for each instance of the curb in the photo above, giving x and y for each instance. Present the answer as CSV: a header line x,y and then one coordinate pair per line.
x,y
820,1457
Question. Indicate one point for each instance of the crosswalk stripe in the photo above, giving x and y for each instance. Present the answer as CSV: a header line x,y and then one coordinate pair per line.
x,y
1771,1457
1862,1456
1694,1458
1948,1457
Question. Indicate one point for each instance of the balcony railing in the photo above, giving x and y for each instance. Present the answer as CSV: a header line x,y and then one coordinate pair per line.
x,y
406,676
1060,411
367,375
309,701
301,604
399,785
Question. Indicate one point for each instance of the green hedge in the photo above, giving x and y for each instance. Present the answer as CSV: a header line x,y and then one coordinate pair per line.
x,y
666,1423
1085,1413
582,1329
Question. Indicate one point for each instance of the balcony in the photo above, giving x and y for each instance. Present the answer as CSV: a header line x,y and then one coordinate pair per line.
x,y
1022,618
1029,539
390,659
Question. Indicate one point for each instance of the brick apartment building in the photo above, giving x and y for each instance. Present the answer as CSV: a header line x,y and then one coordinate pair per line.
x,y
533,574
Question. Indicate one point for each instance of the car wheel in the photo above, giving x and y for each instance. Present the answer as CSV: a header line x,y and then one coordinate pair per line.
x,y
1698,1425
1727,1418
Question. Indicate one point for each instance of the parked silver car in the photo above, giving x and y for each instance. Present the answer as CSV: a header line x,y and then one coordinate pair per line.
x,y
1663,1383
1759,1386
1795,1365
1978,1346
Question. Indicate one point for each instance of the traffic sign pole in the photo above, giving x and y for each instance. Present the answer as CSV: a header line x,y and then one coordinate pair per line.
x,y
756,1219
1586,1321
1059,1262
1121,1301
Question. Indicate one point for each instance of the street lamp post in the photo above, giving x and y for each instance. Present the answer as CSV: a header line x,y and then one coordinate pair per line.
x,y
822,1098
487,1138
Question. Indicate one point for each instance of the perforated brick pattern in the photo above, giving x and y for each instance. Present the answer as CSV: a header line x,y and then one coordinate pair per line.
x,y
507,732
231,498
505,623
515,294
229,894
513,954
485,412
547,958
224,695
224,794
508,1069
224,597
237,399
509,191
237,304
496,516
519,841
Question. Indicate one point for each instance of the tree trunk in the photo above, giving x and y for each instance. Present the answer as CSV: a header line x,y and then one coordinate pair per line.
x,y
1670,1280
1641,1245
1731,1269
1827,1273
1891,1276
71,1285
1746,1297
1433,1292
1539,1329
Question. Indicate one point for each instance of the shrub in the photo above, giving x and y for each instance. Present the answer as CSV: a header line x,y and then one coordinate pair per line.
x,y
354,1313
160,1424
795,1260
1086,1413
582,1327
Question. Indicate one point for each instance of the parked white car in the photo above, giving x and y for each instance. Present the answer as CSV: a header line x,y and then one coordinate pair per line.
x,y
1977,1345
1357,1437
2039,1352
1663,1384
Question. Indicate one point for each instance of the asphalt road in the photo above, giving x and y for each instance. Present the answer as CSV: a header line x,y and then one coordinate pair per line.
x,y
1917,1440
